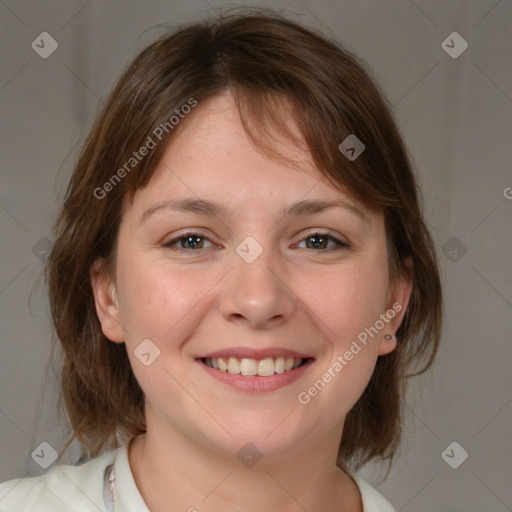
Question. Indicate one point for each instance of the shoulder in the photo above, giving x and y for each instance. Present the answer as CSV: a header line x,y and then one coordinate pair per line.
x,y
373,501
54,491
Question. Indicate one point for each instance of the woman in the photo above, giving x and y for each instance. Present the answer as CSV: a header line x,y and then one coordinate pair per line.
x,y
241,281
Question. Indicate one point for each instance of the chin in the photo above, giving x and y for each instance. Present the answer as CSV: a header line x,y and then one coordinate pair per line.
x,y
270,435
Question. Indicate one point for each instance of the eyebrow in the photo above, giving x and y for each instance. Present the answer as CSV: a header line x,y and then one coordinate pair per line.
x,y
211,208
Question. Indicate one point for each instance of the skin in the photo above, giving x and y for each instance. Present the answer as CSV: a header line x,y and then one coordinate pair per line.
x,y
294,295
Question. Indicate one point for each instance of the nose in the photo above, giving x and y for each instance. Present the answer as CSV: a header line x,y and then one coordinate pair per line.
x,y
257,294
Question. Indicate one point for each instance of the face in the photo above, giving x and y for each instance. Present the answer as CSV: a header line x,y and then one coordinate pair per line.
x,y
264,277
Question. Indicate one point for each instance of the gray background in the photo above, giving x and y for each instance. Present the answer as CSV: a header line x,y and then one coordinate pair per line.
x,y
456,117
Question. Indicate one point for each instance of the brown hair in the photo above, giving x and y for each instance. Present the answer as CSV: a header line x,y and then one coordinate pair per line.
x,y
265,60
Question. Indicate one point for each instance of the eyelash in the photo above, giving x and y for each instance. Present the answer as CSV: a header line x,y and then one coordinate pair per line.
x,y
170,244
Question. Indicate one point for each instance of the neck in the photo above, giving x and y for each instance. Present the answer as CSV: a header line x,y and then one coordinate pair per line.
x,y
174,470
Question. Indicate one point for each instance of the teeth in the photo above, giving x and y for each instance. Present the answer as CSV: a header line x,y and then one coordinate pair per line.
x,y
251,367
223,366
279,366
248,367
266,367
233,366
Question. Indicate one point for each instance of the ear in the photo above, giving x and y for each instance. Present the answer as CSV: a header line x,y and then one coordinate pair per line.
x,y
397,301
105,299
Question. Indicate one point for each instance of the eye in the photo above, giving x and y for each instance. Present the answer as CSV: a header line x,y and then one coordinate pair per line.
x,y
319,240
190,240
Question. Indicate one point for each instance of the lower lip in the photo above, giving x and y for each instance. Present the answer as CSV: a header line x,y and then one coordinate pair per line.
x,y
254,383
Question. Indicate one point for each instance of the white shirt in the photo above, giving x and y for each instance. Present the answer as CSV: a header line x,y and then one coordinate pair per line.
x,y
66,488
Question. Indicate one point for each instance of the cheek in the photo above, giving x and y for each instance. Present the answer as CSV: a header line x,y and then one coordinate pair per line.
x,y
158,303
353,302
157,300
347,300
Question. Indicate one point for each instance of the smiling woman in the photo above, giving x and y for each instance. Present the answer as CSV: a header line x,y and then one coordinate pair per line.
x,y
269,247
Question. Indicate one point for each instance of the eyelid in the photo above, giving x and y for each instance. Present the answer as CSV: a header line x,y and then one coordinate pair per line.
x,y
325,232
183,234
339,241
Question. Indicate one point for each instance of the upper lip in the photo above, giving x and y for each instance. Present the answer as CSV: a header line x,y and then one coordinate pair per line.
x,y
251,353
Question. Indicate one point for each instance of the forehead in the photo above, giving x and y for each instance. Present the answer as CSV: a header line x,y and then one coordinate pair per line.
x,y
211,157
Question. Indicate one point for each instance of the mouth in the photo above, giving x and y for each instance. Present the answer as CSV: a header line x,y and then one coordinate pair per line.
x,y
255,367
255,371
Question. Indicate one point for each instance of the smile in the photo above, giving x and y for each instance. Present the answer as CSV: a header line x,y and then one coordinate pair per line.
x,y
255,371
251,367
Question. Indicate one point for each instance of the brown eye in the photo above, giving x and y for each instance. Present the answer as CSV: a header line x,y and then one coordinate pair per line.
x,y
320,241
186,241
